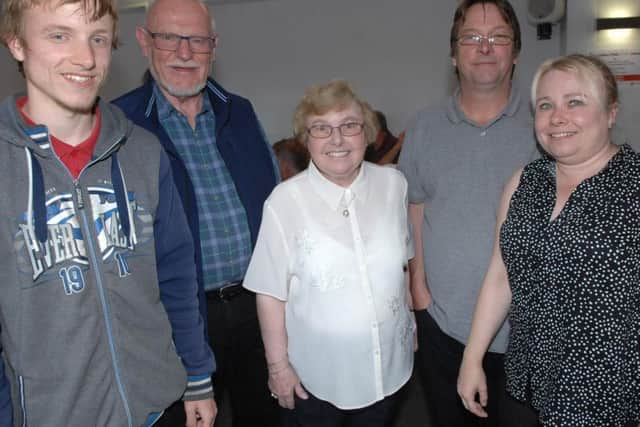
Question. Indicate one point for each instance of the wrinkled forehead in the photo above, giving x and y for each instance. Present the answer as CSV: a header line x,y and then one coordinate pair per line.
x,y
180,16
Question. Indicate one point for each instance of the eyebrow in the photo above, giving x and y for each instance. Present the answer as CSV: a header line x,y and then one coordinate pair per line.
x,y
63,28
50,28
568,95
343,121
499,28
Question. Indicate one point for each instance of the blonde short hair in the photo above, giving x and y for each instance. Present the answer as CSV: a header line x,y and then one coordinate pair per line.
x,y
13,11
598,78
335,95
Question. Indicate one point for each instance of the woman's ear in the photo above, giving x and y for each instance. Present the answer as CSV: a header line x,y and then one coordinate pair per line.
x,y
613,113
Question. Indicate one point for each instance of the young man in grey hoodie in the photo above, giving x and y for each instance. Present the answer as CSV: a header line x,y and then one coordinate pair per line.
x,y
98,310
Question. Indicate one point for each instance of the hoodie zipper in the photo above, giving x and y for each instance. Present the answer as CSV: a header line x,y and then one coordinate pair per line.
x,y
89,244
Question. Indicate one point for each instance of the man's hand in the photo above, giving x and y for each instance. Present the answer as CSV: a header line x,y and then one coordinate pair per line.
x,y
420,295
200,413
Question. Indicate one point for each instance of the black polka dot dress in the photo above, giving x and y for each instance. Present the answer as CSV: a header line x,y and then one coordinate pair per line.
x,y
574,349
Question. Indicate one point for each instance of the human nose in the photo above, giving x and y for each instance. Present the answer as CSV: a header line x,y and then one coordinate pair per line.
x,y
558,117
183,51
84,55
336,137
484,45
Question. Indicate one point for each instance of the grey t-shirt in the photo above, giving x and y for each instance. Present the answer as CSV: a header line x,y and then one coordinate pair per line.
x,y
458,169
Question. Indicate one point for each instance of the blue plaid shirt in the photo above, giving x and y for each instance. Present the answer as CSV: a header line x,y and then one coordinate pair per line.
x,y
225,238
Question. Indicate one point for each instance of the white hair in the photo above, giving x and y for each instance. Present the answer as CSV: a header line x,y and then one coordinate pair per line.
x,y
150,3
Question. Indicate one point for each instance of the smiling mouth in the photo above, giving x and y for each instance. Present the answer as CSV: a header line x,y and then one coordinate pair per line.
x,y
338,153
78,78
561,134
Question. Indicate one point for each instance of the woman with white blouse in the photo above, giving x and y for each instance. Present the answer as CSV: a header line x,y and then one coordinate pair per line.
x,y
329,269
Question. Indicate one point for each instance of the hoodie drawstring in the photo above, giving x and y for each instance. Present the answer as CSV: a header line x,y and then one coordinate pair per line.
x,y
37,208
120,191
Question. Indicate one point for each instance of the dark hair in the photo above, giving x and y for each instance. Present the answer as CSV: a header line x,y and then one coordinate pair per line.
x,y
382,121
506,11
292,152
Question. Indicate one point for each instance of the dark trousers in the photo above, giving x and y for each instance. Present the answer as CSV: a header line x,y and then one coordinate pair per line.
x,y
438,360
234,335
314,412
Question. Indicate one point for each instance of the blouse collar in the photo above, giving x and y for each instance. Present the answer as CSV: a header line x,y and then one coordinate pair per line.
x,y
336,196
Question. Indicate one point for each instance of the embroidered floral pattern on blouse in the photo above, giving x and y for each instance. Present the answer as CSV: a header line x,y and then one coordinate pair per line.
x,y
407,328
322,276
305,243
394,305
328,281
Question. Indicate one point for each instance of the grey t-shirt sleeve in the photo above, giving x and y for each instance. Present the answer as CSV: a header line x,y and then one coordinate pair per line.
x,y
410,164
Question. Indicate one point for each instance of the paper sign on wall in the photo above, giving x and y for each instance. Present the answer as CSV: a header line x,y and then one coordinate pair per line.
x,y
624,64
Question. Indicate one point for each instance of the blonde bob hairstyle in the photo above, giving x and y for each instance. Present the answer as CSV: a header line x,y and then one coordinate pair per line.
x,y
598,79
335,95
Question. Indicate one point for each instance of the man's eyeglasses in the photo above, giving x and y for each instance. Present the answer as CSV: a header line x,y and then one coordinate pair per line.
x,y
346,129
476,40
170,41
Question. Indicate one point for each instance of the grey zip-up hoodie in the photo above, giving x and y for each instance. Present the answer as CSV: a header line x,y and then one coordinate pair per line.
x,y
86,339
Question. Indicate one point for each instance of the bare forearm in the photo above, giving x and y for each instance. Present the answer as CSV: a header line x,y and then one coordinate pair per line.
x,y
272,326
283,379
390,155
418,282
490,312
495,296
491,309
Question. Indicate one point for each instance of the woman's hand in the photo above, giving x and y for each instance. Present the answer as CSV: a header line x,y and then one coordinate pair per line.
x,y
472,382
283,379
284,382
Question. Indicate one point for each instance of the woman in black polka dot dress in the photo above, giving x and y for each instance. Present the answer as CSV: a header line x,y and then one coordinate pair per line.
x,y
567,269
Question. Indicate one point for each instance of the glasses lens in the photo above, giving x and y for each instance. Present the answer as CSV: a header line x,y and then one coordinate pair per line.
x,y
320,131
470,40
476,39
165,41
170,41
501,40
350,129
200,44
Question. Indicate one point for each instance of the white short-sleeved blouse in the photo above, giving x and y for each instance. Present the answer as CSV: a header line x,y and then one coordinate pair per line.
x,y
337,257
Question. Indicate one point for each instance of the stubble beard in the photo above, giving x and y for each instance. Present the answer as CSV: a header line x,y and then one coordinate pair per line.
x,y
178,92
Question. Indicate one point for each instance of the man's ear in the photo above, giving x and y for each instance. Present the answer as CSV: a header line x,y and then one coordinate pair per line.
x,y
17,48
143,41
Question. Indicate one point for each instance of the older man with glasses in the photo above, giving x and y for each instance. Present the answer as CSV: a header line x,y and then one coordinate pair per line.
x,y
224,170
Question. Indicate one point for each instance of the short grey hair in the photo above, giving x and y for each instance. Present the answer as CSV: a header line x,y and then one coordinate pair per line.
x,y
150,3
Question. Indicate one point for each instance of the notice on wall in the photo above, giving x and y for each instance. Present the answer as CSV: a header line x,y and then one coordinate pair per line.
x,y
625,64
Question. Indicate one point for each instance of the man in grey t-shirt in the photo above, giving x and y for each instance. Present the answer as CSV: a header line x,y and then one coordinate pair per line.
x,y
457,158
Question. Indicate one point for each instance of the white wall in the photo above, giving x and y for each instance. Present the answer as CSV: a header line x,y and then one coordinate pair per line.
x,y
582,37
395,53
